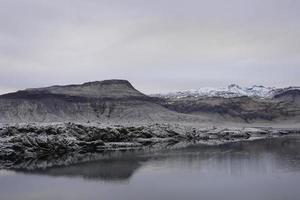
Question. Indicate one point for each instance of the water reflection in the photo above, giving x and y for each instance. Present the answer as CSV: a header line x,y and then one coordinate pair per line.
x,y
236,159
116,169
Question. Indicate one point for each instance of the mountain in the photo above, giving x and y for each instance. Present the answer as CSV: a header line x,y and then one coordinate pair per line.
x,y
117,101
109,100
249,104
98,89
288,94
230,91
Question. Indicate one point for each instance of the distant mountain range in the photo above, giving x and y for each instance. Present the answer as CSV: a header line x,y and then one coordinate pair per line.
x,y
234,102
230,91
117,101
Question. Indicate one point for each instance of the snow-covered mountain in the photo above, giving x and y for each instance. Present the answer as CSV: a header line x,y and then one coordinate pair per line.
x,y
260,103
232,90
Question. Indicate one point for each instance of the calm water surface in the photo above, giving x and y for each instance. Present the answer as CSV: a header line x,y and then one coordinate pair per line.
x,y
257,170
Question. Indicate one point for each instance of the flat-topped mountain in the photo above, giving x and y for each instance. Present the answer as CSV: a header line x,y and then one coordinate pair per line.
x,y
96,89
113,100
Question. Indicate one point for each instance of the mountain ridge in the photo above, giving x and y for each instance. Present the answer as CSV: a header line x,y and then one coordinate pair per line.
x,y
232,90
115,88
109,100
117,101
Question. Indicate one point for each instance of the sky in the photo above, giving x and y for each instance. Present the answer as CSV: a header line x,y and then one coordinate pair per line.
x,y
158,45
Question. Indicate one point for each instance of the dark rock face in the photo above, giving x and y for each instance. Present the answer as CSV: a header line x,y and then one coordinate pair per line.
x,y
290,91
289,95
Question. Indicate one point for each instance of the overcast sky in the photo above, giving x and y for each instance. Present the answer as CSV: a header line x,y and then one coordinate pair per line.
x,y
158,45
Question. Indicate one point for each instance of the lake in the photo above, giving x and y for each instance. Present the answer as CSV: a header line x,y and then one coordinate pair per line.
x,y
254,170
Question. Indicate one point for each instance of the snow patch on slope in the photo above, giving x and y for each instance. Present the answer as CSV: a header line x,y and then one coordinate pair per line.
x,y
232,90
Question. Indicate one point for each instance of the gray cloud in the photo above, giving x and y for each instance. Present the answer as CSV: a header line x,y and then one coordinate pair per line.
x,y
159,45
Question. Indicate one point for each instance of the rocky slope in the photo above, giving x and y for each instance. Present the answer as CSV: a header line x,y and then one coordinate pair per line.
x,y
110,100
238,104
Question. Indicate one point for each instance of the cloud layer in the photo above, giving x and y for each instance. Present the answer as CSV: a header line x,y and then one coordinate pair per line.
x,y
159,45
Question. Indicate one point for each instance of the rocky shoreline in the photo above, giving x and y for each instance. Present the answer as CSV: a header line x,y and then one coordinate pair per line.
x,y
40,146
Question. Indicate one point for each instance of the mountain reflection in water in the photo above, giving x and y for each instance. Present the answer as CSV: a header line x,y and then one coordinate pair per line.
x,y
262,170
260,156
